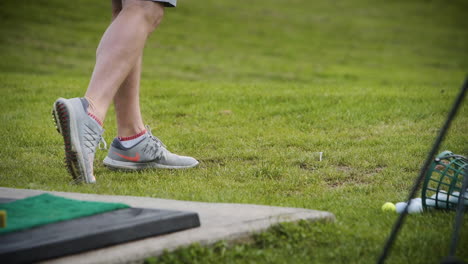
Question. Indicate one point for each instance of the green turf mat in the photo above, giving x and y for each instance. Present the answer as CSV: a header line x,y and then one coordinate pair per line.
x,y
46,208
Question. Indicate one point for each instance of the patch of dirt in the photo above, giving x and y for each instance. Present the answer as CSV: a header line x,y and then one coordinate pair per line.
x,y
225,112
350,180
209,162
306,166
350,176
344,168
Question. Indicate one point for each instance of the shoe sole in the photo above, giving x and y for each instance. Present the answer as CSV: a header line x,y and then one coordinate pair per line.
x,y
66,125
132,166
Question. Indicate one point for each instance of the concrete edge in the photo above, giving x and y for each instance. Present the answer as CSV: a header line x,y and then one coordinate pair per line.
x,y
138,251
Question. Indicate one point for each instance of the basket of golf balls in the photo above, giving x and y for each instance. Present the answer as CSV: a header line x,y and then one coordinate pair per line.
x,y
442,187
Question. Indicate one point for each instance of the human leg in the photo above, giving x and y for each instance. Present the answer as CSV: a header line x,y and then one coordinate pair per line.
x,y
120,51
126,100
127,104
135,148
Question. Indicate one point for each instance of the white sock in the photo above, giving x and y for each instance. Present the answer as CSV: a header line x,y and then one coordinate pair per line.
x,y
131,141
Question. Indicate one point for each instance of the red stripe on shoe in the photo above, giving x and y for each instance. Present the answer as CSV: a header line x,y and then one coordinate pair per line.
x,y
95,118
132,137
136,158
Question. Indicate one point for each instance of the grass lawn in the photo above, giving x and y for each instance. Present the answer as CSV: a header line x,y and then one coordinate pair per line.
x,y
254,91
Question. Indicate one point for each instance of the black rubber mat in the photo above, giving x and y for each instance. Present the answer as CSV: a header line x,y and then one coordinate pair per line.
x,y
6,200
92,232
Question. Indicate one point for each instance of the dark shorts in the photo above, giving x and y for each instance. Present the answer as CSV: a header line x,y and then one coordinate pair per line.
x,y
168,3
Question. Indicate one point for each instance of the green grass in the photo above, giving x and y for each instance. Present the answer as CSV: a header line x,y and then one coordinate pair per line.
x,y
254,91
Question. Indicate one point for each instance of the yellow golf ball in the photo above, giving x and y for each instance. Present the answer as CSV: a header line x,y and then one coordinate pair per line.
x,y
388,207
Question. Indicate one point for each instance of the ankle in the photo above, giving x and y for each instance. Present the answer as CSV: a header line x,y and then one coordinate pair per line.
x,y
93,112
129,142
97,119
130,132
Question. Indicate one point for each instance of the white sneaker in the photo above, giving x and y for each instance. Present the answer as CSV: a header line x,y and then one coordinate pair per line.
x,y
81,135
150,152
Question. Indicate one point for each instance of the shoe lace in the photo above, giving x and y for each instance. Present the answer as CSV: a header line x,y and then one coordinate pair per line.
x,y
103,141
94,139
157,152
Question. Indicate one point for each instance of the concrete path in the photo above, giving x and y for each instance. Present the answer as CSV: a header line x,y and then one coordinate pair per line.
x,y
219,221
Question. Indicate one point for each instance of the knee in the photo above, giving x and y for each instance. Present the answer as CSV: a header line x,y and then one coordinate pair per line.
x,y
154,15
150,12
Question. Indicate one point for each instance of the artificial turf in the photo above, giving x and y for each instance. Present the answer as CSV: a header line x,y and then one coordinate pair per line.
x,y
254,91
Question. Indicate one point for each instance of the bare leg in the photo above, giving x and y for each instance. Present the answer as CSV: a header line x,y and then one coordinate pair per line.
x,y
118,61
127,104
127,100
